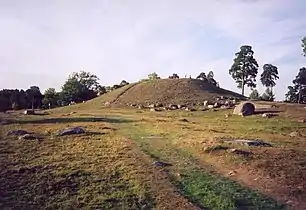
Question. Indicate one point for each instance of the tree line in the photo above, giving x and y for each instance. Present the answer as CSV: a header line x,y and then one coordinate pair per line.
x,y
80,86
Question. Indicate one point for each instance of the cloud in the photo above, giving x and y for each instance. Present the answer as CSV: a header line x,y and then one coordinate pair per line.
x,y
129,39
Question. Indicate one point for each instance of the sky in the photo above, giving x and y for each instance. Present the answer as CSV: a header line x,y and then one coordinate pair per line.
x,y
43,42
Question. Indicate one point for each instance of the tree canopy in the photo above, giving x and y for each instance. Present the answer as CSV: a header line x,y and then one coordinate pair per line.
x,y
153,76
304,46
254,94
174,76
269,75
297,92
202,76
245,68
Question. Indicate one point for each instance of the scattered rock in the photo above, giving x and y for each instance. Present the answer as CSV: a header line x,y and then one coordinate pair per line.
x,y
161,164
173,107
206,103
231,173
227,115
158,105
267,115
225,107
152,110
27,137
71,131
244,109
240,152
217,105
140,107
183,120
215,148
210,106
302,121
17,133
107,103
246,142
294,134
29,112
151,106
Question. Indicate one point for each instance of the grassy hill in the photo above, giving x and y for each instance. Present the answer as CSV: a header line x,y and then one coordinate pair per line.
x,y
165,91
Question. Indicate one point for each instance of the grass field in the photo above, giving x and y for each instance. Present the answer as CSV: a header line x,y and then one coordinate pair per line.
x,y
110,167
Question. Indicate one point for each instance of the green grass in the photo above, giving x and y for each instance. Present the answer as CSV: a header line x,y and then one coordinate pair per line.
x,y
198,183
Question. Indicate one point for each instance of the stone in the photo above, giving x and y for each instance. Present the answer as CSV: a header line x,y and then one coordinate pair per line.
x,y
231,173
210,106
206,103
107,103
158,105
27,137
17,133
173,107
240,152
302,121
244,109
183,120
151,106
29,112
71,131
267,115
224,107
152,110
247,142
140,107
294,134
160,164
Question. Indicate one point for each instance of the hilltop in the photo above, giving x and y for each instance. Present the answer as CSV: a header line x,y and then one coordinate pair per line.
x,y
166,91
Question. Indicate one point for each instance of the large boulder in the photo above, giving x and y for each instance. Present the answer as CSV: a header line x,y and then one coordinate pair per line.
x,y
71,131
244,109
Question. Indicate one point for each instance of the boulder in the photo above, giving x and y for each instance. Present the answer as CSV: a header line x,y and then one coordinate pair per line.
x,y
153,110
173,107
151,106
71,131
17,133
267,115
217,105
27,137
29,112
244,109
210,106
206,103
247,142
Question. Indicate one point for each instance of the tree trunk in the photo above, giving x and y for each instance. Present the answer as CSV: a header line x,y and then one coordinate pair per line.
x,y
242,86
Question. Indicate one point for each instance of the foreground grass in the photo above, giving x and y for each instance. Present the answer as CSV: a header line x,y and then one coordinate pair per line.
x,y
103,169
199,183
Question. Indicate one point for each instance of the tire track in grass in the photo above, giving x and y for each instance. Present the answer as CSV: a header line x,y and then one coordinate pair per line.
x,y
196,182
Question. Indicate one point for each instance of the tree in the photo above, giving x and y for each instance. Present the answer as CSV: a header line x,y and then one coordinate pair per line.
x,y
297,92
292,94
245,68
202,76
269,75
51,98
174,76
254,94
153,76
123,83
304,46
34,97
79,87
268,95
210,78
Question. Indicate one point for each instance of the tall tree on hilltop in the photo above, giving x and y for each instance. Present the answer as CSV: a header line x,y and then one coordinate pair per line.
x,y
304,46
297,92
210,78
174,76
268,76
245,68
202,76
153,76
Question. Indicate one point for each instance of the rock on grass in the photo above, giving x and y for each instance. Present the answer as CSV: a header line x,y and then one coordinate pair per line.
x,y
71,131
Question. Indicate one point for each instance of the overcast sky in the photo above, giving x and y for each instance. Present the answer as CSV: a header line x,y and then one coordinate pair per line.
x,y
42,42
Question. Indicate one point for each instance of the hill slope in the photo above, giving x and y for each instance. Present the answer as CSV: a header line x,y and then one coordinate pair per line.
x,y
166,91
